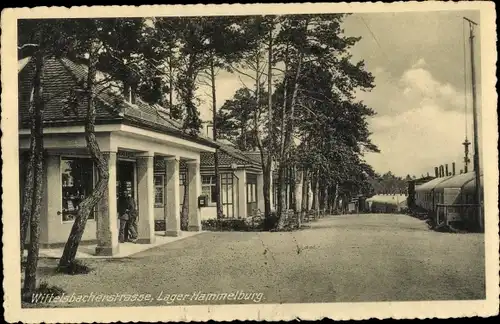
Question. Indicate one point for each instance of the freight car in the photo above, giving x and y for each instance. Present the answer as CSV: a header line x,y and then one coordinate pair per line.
x,y
449,202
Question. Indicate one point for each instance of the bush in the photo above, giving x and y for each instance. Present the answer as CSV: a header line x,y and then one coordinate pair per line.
x,y
256,223
75,267
45,288
225,224
160,225
270,221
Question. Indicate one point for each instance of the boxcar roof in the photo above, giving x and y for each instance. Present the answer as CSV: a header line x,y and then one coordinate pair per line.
x,y
471,185
431,184
457,181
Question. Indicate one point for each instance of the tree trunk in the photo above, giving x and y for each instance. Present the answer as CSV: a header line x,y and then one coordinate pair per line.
x,y
185,206
30,167
335,196
306,188
171,86
268,175
214,131
281,198
304,205
244,136
326,198
314,187
267,178
291,193
185,210
38,168
300,207
281,169
88,204
321,194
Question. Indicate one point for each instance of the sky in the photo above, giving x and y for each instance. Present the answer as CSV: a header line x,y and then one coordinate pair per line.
x,y
417,59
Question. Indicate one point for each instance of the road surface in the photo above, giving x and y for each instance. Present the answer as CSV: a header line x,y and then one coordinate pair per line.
x,y
350,258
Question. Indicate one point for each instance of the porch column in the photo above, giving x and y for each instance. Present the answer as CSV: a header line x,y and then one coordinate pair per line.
x,y
242,193
194,183
145,197
107,219
172,197
260,192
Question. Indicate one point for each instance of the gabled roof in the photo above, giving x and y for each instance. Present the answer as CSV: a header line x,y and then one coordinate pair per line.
x,y
62,76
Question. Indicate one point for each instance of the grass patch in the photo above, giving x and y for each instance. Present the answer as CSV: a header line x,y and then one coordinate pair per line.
x,y
44,289
74,268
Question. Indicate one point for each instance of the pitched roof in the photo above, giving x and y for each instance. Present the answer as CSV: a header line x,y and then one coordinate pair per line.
x,y
62,76
228,155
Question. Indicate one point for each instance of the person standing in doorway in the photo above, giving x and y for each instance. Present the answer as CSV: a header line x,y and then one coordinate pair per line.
x,y
124,217
132,221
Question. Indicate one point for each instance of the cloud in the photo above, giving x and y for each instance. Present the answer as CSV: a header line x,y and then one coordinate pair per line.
x,y
418,83
422,126
420,63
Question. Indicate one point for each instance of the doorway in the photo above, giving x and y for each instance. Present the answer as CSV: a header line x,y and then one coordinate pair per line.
x,y
125,182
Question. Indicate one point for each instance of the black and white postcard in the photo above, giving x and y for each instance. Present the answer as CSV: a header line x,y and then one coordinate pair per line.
x,y
250,162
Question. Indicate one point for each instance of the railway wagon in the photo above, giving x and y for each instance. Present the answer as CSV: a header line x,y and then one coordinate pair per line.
x,y
424,194
449,200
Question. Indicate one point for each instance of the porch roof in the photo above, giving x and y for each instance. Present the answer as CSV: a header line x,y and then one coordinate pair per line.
x,y
62,76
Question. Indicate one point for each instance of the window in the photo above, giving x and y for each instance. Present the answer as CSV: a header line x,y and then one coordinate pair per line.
x,y
158,180
77,177
251,189
251,192
226,191
208,187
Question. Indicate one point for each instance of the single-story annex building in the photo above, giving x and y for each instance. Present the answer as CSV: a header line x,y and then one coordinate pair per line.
x,y
241,184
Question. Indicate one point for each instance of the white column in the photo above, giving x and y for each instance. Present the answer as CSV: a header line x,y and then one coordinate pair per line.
x,y
242,193
260,192
107,219
194,183
145,194
172,197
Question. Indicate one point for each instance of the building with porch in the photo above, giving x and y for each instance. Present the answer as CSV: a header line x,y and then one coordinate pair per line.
x,y
139,143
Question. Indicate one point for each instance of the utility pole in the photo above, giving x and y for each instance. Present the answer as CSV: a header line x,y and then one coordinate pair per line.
x,y
475,117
